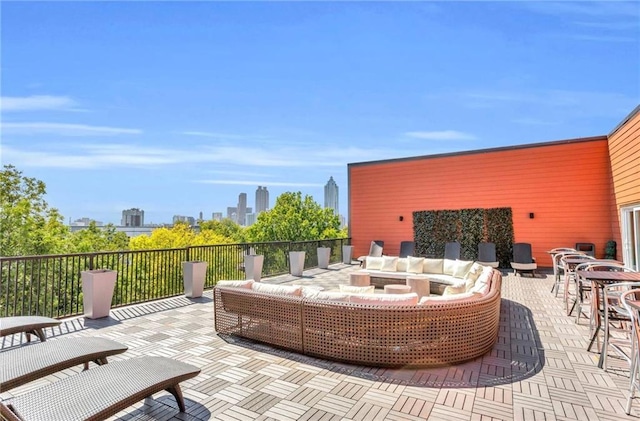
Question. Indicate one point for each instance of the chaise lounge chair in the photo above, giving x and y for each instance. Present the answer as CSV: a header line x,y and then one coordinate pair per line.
x,y
31,362
487,255
29,325
375,250
407,248
523,261
452,250
101,392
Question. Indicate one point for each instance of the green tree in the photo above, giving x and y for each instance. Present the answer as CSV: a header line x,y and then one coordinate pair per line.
x,y
225,228
95,238
295,219
27,224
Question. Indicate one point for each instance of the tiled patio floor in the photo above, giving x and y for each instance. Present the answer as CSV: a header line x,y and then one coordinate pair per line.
x,y
538,370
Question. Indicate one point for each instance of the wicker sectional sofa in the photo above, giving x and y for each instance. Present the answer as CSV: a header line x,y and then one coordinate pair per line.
x,y
440,330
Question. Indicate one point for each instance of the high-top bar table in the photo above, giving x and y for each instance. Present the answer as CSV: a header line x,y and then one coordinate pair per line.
x,y
600,279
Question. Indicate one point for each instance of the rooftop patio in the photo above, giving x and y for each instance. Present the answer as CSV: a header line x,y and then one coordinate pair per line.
x,y
538,369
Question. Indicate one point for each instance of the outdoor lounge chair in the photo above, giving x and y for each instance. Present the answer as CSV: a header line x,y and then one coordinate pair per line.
x,y
375,250
407,248
487,255
29,325
101,392
523,261
452,250
30,362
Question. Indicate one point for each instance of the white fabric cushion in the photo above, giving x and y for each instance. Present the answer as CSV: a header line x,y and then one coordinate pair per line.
x,y
389,264
409,299
236,284
374,263
461,268
325,295
351,289
415,264
295,290
455,297
473,274
403,263
454,290
448,266
433,266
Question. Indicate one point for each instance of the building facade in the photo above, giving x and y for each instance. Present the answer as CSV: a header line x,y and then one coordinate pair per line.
x,y
133,217
331,196
262,199
242,209
561,193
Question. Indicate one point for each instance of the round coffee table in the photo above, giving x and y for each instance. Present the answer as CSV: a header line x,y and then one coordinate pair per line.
x,y
396,289
360,279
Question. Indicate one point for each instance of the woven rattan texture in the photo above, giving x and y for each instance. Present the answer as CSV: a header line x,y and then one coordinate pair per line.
x,y
11,325
30,362
102,391
438,333
274,319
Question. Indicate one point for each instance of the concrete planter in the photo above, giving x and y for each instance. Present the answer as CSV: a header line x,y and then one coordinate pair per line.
x,y
324,253
347,252
296,262
194,274
97,292
253,266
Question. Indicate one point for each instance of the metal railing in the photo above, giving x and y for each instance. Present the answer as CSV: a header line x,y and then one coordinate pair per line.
x,y
50,285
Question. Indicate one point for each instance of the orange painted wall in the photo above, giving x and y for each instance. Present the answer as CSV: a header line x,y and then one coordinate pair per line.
x,y
566,184
624,149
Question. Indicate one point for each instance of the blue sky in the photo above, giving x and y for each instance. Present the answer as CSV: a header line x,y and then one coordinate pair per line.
x,y
176,108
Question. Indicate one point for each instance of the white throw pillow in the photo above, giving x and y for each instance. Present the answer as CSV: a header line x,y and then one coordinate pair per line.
x,y
448,267
409,299
351,289
454,290
235,284
434,266
415,264
403,264
461,268
295,290
474,272
374,263
389,264
325,295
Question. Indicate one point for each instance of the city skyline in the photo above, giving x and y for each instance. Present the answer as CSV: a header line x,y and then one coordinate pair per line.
x,y
176,107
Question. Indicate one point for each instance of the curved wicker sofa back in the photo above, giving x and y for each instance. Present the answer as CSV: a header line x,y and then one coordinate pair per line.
x,y
433,334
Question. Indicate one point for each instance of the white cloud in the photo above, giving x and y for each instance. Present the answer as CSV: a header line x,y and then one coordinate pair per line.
x,y
441,135
64,129
36,103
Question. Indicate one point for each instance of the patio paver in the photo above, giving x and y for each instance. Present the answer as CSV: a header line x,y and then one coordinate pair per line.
x,y
538,369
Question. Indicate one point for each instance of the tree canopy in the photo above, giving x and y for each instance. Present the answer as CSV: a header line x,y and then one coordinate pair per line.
x,y
27,224
294,218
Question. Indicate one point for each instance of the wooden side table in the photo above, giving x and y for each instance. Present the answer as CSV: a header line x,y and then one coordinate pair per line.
x,y
396,289
359,279
419,285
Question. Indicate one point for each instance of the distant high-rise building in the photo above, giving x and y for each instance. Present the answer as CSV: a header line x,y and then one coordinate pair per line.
x,y
85,222
262,199
242,208
133,217
232,213
200,218
216,216
250,218
331,196
181,218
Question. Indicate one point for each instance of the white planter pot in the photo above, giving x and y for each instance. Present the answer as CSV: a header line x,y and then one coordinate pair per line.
x,y
97,292
253,266
296,262
194,275
347,252
324,253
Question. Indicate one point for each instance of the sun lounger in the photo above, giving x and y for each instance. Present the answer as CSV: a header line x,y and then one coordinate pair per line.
x,y
30,362
30,325
101,392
